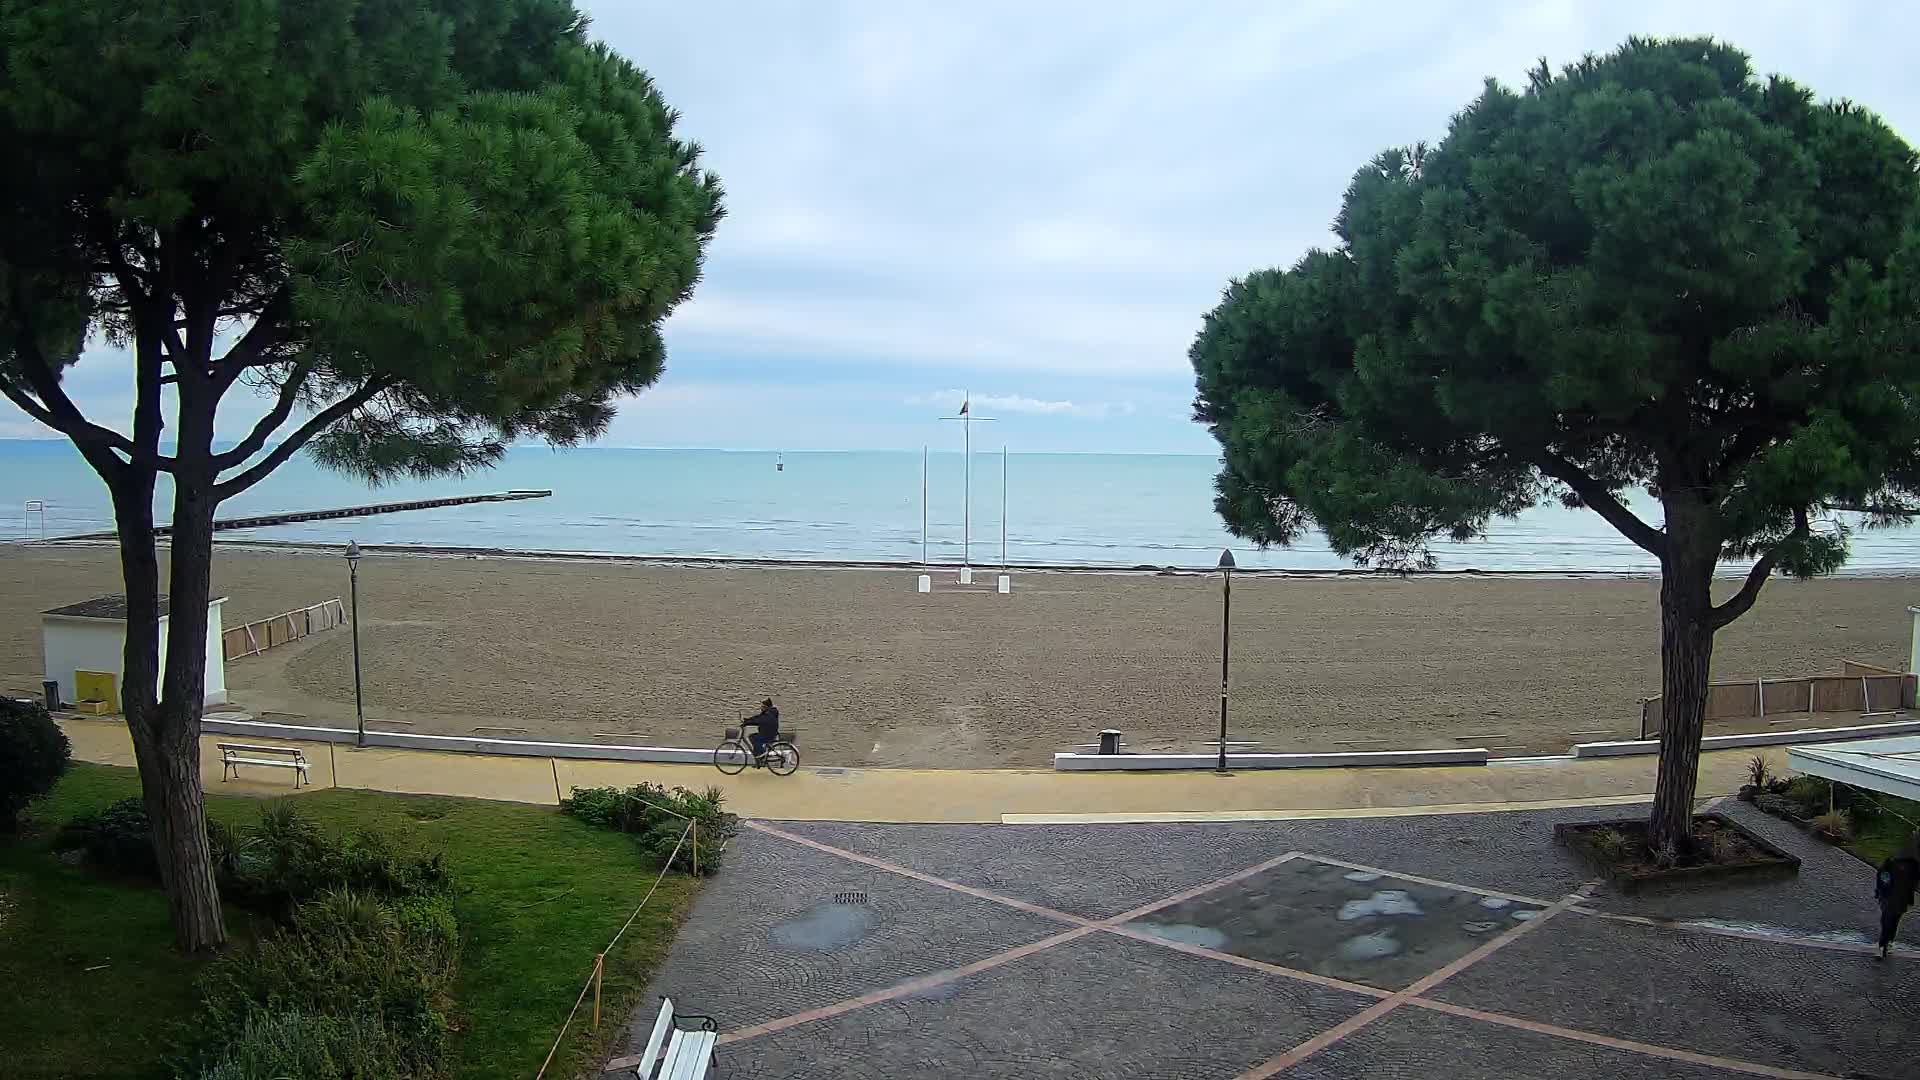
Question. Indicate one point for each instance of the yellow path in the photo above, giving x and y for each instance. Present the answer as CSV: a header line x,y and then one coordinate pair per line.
x,y
961,795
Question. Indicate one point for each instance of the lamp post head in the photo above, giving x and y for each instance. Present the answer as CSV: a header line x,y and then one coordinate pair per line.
x,y
1226,559
353,553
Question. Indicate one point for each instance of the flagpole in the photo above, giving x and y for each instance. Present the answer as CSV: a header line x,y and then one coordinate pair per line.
x,y
966,514
966,419
923,507
1003,506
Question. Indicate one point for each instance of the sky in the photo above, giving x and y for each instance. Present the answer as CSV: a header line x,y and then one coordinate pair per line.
x,y
1036,203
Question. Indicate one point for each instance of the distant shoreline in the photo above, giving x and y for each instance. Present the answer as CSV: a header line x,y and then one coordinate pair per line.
x,y
722,562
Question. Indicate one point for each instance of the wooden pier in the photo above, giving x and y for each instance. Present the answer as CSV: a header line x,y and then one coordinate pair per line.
x,y
296,516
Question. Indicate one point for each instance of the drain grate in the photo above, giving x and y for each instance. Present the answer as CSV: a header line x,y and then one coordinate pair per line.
x,y
849,898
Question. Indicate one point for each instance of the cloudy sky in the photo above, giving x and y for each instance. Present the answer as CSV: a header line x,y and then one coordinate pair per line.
x,y
1037,202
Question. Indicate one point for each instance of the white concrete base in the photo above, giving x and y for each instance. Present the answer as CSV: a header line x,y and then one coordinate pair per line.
x,y
966,575
1005,583
926,583
1763,738
1346,760
460,743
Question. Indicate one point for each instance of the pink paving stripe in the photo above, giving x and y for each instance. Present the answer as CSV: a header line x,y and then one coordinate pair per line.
x,y
911,986
1400,997
891,868
1650,1050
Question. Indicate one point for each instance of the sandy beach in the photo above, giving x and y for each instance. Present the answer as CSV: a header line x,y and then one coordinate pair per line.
x,y
872,673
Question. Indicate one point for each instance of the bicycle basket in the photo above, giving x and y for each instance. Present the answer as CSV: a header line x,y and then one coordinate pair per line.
x,y
790,735
733,733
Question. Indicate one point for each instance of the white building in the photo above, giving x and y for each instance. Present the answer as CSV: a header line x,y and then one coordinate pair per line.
x,y
91,637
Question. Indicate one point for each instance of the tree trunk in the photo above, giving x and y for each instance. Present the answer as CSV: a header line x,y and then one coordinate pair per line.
x,y
166,736
1686,657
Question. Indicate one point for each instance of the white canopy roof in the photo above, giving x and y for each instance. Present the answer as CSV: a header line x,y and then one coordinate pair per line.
x,y
1889,766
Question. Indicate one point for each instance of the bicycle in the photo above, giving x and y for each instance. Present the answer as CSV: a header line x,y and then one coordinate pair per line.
x,y
733,755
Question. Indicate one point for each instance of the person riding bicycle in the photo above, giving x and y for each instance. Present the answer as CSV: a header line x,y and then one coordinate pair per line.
x,y
766,723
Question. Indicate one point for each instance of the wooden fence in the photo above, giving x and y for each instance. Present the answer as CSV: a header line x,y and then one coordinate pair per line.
x,y
257,637
1863,688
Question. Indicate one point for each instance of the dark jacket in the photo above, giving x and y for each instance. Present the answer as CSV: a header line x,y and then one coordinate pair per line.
x,y
767,720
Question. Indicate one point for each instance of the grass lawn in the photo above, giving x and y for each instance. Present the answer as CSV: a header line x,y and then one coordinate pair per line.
x,y
538,894
1878,835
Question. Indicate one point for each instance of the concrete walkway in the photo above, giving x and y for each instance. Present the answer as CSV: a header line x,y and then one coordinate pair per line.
x,y
962,795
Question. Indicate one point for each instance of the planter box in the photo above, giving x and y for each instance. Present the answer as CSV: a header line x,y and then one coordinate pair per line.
x,y
1772,864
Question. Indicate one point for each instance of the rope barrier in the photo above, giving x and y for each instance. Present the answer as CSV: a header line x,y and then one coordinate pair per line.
x,y
593,978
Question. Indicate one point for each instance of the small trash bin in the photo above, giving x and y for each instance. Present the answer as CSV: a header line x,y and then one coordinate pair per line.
x,y
51,688
1109,741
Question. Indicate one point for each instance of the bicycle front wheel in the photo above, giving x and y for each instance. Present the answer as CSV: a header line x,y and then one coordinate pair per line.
x,y
731,757
782,759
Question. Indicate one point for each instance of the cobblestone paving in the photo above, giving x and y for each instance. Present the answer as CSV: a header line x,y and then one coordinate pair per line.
x,y
1094,1007
1415,1044
801,955
1834,1013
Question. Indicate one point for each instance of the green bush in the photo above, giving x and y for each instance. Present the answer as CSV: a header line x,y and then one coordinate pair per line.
x,y
356,1046
1811,792
383,963
116,838
271,867
33,754
658,816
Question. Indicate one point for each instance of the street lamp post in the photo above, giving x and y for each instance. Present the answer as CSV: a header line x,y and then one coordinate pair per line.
x,y
1226,623
353,586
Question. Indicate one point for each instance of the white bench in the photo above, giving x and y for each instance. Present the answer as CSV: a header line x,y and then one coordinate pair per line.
x,y
688,1053
234,755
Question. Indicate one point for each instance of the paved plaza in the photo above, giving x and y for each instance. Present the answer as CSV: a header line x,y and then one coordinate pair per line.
x,y
1431,946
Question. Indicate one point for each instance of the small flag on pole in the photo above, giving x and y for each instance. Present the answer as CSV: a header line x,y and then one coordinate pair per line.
x,y
963,406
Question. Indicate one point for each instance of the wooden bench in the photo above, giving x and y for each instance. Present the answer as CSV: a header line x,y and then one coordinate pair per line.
x,y
234,755
689,1053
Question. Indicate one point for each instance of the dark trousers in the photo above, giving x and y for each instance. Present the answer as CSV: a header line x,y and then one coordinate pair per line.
x,y
759,740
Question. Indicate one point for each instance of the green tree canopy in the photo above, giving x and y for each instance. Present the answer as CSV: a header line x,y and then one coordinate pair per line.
x,y
422,228
1651,270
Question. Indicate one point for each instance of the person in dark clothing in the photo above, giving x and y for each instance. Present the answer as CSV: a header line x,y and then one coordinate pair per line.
x,y
1894,888
766,724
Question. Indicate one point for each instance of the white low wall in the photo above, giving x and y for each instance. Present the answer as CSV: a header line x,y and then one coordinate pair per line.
x,y
1351,759
459,743
1763,738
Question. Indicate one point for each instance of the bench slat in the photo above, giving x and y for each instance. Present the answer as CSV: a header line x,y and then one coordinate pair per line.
x,y
694,1055
275,763
651,1056
247,748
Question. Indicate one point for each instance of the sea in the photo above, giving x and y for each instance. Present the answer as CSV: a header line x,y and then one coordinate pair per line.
x,y
1121,511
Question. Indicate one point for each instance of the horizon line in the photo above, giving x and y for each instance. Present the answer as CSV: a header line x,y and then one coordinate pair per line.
x,y
62,440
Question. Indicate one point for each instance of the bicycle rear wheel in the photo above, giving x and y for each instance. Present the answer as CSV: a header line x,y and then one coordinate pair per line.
x,y
731,757
782,759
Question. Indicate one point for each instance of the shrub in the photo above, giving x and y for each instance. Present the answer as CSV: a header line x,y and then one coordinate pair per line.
x,y
1724,847
33,754
658,816
1835,825
285,859
1759,771
116,838
382,963
1811,792
1611,844
355,1046
1778,805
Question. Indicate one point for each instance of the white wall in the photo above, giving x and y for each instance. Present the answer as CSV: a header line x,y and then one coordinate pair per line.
x,y
70,644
